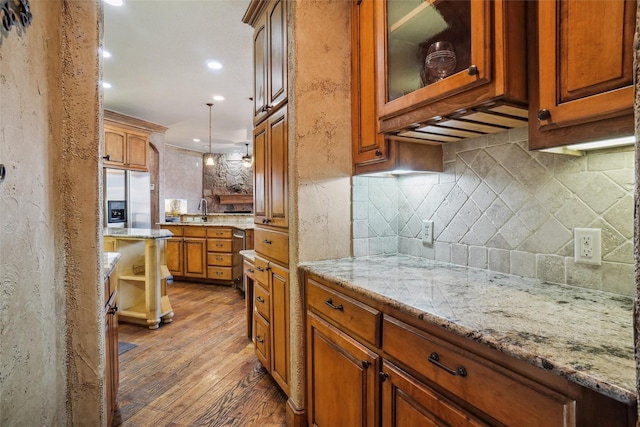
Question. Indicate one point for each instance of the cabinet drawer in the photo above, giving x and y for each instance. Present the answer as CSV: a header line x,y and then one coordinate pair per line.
x,y
194,231
248,269
350,314
219,233
273,244
218,245
220,273
175,229
262,340
262,300
261,274
219,259
505,396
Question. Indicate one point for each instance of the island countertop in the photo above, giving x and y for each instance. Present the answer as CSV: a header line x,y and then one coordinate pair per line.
x,y
137,233
583,335
110,260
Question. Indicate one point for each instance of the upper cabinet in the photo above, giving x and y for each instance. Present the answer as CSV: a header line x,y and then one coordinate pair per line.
x,y
372,152
270,206
126,141
269,56
448,70
125,148
581,77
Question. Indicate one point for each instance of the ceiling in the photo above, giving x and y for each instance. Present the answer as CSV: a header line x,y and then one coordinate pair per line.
x,y
158,69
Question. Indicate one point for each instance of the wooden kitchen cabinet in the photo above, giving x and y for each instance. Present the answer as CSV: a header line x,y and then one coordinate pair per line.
x,y
372,152
342,378
271,320
269,19
371,364
407,402
206,252
581,79
270,171
485,83
112,375
125,148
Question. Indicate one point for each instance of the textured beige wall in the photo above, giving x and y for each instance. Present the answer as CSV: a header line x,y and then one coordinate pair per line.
x,y
319,149
51,356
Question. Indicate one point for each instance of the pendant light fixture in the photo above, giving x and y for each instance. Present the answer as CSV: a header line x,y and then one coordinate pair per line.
x,y
209,157
247,160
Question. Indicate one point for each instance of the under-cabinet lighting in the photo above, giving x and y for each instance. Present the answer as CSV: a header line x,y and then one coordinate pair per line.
x,y
605,143
578,149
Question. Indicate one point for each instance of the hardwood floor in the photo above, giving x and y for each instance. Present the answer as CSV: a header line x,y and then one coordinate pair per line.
x,y
199,370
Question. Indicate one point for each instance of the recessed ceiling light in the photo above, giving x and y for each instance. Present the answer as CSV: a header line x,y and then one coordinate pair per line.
x,y
106,53
196,140
114,2
218,98
214,65
106,85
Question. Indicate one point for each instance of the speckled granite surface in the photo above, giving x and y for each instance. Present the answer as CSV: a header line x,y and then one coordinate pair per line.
x,y
109,262
137,233
583,335
249,254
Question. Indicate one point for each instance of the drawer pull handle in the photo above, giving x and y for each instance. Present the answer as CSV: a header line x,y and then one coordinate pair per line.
x,y
259,299
383,376
219,245
259,268
329,302
113,310
365,364
219,273
258,339
267,241
218,258
435,359
250,270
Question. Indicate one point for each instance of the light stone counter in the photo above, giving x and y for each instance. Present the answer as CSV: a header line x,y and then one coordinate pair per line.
x,y
137,233
249,254
109,262
583,335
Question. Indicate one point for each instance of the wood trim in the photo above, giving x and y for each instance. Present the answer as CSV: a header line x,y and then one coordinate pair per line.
x,y
133,122
230,199
295,417
255,9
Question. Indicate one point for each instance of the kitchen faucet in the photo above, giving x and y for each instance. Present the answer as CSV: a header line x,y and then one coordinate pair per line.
x,y
202,206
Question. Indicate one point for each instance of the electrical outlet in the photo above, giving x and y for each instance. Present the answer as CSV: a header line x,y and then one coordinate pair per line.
x,y
427,232
587,244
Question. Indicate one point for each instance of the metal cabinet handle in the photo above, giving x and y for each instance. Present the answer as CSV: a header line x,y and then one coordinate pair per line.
x,y
113,311
473,70
365,364
219,245
329,302
435,359
259,268
218,258
259,299
544,114
250,270
383,376
107,157
378,153
219,273
258,339
266,220
267,241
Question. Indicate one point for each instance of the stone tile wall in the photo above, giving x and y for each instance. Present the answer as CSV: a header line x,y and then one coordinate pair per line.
x,y
498,206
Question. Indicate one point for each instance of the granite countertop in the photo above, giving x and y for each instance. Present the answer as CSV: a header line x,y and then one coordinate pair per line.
x,y
137,233
110,260
249,254
583,335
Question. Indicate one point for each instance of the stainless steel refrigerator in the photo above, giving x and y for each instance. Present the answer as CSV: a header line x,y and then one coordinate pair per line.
x,y
127,198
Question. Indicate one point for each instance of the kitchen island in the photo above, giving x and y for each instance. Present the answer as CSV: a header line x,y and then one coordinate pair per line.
x,y
575,344
141,274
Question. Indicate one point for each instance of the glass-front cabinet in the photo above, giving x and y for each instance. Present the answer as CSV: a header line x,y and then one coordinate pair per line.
x,y
439,57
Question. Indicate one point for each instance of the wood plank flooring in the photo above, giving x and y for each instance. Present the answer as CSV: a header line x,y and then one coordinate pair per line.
x,y
199,370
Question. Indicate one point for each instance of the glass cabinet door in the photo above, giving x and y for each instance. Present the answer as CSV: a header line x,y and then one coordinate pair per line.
x,y
431,48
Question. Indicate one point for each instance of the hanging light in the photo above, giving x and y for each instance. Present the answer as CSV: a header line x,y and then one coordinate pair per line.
x,y
209,157
247,160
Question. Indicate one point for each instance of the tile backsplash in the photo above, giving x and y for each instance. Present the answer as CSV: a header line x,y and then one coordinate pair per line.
x,y
500,207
